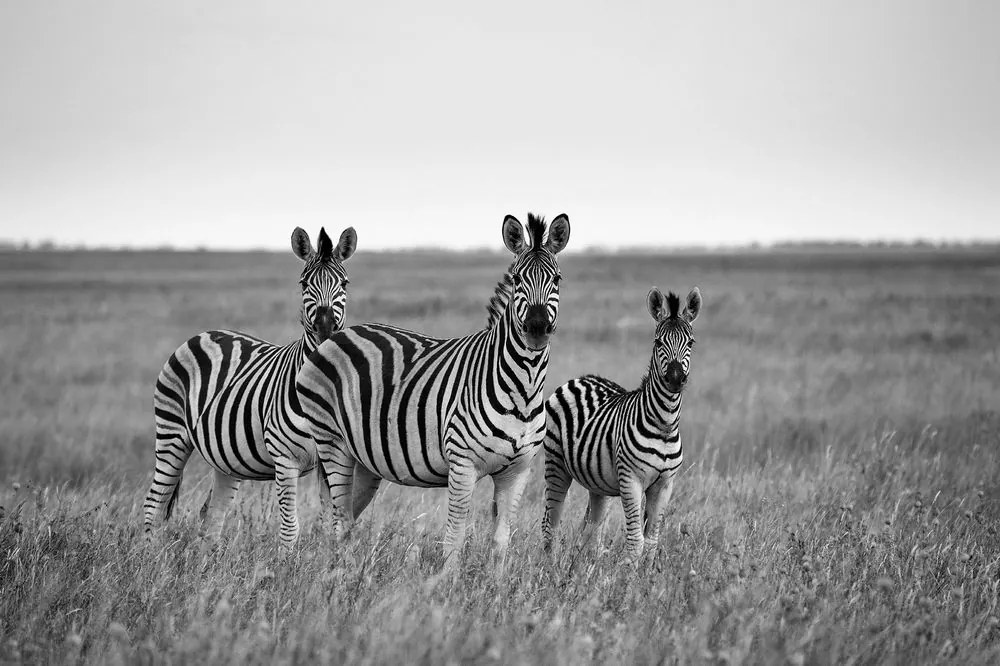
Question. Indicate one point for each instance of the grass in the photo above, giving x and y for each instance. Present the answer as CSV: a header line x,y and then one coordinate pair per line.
x,y
838,503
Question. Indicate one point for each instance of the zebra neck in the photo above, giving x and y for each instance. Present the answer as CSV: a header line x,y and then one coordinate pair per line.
x,y
520,370
660,406
307,345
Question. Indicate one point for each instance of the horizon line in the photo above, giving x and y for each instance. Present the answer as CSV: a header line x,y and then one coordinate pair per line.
x,y
12,246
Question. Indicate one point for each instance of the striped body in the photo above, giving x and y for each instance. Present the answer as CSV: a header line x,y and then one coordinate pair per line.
x,y
603,432
619,443
387,403
231,397
237,396
401,399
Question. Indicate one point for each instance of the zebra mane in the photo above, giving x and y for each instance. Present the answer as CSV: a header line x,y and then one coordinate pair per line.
x,y
673,305
498,303
536,230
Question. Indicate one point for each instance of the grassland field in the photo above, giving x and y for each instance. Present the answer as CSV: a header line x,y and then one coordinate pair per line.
x,y
838,502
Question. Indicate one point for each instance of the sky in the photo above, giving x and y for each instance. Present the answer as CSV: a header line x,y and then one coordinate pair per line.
x,y
225,124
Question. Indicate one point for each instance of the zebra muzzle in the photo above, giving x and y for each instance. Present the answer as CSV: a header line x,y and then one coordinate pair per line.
x,y
325,322
537,326
675,376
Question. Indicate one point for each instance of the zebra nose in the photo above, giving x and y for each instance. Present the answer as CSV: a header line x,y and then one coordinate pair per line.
x,y
536,321
325,322
675,375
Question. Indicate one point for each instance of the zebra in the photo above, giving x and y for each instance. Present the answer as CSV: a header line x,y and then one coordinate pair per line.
x,y
232,397
618,442
387,403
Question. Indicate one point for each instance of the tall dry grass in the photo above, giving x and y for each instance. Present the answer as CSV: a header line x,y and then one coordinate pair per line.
x,y
838,500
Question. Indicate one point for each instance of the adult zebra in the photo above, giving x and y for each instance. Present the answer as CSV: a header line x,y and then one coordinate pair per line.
x,y
387,403
618,442
232,396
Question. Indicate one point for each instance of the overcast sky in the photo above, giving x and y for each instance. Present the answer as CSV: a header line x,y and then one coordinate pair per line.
x,y
227,123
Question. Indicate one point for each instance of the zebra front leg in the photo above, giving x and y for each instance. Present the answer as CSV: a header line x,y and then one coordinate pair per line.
x,y
507,490
223,491
461,481
337,465
365,486
557,483
286,482
632,496
657,498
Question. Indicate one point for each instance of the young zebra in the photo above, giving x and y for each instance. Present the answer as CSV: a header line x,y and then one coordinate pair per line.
x,y
618,442
232,396
386,403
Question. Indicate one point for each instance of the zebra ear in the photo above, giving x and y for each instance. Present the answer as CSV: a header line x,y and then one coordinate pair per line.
x,y
301,245
693,305
348,244
513,234
558,234
654,303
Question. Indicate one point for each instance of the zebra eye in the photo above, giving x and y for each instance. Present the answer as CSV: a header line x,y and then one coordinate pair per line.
x,y
516,279
557,279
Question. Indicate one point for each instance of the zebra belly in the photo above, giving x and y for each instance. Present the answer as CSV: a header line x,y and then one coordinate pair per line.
x,y
593,464
409,462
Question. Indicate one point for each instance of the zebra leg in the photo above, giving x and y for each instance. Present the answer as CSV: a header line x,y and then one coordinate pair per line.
x,y
461,481
657,498
632,496
173,448
223,491
507,490
593,520
365,486
286,483
557,483
337,465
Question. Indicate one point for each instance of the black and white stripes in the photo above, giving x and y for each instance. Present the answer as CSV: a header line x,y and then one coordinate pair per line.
x,y
387,403
232,397
617,442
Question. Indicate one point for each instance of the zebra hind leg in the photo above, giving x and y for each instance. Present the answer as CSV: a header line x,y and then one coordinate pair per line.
x,y
365,486
593,521
557,483
221,498
337,467
172,452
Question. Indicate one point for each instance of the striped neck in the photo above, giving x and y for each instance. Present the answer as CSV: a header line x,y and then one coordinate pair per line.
x,y
307,344
660,406
520,370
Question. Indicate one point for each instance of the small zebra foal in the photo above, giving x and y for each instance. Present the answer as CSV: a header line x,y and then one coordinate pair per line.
x,y
617,442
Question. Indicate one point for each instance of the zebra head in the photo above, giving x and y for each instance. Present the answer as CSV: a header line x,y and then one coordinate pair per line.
x,y
535,275
323,281
673,341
